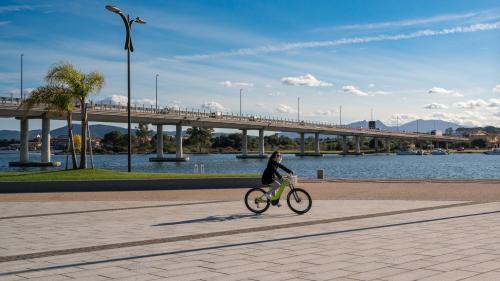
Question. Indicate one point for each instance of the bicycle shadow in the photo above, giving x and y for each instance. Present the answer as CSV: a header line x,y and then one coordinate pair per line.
x,y
224,218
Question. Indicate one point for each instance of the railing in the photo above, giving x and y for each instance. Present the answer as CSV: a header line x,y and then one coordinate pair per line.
x,y
217,115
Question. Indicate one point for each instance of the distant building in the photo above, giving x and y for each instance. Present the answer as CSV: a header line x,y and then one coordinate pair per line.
x,y
491,139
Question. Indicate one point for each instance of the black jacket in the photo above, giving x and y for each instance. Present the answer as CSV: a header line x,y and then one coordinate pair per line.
x,y
271,172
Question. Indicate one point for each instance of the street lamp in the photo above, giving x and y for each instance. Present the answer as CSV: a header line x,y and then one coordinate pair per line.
x,y
130,48
157,93
298,109
241,90
22,55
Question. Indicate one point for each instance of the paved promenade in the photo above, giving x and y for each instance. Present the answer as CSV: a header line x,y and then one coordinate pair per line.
x,y
221,240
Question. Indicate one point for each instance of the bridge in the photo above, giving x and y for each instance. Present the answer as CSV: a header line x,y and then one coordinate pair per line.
x,y
11,108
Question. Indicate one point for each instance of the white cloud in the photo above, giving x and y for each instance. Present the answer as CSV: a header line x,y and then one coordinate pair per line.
x,y
371,85
4,22
283,108
305,80
494,103
15,92
435,105
122,100
276,94
268,86
402,118
497,89
471,104
327,112
229,84
444,92
345,41
353,90
19,8
212,105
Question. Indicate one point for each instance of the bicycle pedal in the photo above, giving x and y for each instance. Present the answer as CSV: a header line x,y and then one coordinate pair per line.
x,y
275,202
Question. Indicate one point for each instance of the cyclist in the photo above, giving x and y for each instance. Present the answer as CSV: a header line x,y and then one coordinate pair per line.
x,y
271,172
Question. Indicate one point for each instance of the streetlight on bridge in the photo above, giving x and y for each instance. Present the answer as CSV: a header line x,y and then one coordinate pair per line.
x,y
130,48
22,55
157,92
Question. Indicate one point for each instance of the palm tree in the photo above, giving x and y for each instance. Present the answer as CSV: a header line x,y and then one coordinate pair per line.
x,y
59,100
81,85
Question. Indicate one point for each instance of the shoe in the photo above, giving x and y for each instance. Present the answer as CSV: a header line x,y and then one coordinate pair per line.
x,y
276,203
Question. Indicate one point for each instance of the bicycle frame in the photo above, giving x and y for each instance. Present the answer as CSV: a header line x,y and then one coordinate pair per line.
x,y
277,195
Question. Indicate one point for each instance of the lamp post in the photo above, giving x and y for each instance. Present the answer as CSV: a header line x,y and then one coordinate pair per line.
x,y
298,109
130,48
22,55
157,93
241,90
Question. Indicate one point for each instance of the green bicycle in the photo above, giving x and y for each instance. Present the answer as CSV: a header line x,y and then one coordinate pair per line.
x,y
298,200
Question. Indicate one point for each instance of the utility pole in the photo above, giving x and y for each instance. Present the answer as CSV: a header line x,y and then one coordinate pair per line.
x,y
371,114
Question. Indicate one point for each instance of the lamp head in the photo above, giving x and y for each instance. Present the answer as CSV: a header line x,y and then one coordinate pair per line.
x,y
139,20
113,9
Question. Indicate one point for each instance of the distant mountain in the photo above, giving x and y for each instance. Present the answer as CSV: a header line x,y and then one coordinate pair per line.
x,y
364,124
97,130
428,125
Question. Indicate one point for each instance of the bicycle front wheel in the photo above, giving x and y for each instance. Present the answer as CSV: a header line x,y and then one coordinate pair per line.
x,y
299,201
256,200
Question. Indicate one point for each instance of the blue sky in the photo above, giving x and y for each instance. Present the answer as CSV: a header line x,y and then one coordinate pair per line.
x,y
411,59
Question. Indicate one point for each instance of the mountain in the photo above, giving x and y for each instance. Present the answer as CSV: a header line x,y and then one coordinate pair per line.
x,y
364,124
97,130
428,125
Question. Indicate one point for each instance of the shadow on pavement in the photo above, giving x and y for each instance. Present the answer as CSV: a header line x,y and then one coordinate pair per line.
x,y
223,218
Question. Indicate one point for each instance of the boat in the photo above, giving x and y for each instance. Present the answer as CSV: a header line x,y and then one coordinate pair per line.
x,y
407,152
439,151
494,151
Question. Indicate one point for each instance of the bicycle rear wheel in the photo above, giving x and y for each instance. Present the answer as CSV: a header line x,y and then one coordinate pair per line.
x,y
299,201
256,200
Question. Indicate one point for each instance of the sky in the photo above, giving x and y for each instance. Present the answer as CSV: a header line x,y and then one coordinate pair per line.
x,y
404,60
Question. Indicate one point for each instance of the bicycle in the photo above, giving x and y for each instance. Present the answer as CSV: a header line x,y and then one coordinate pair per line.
x,y
297,199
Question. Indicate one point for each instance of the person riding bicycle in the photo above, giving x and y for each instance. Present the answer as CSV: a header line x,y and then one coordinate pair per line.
x,y
271,173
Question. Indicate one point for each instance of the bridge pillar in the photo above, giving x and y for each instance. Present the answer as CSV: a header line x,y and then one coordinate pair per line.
x,y
261,142
179,155
358,144
316,143
375,144
244,150
24,157
344,145
45,157
302,143
446,145
178,142
159,141
388,145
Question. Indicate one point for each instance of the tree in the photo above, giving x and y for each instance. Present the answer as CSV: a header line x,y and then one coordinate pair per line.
x,y
200,137
58,100
481,143
80,85
142,134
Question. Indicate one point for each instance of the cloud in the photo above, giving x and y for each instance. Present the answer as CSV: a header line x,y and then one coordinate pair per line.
x,y
19,8
283,108
353,90
229,84
4,23
371,85
321,112
122,100
471,104
305,80
212,105
15,92
402,118
276,94
494,103
444,92
435,105
402,23
497,89
344,41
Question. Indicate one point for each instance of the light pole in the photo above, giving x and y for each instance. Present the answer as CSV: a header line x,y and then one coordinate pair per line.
x,y
157,93
340,115
298,109
241,90
22,55
130,48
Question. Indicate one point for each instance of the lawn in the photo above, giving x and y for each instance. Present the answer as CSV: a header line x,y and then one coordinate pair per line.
x,y
100,174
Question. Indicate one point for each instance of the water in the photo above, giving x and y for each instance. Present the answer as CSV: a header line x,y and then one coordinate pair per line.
x,y
454,166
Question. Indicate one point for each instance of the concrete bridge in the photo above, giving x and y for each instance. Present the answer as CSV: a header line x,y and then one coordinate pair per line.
x,y
11,108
